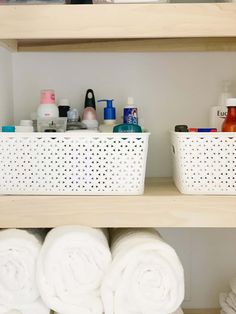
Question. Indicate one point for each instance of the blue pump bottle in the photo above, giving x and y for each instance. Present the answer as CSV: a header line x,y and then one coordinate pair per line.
x,y
109,117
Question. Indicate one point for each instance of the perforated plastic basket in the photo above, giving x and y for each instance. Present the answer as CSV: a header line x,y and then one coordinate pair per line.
x,y
204,163
72,163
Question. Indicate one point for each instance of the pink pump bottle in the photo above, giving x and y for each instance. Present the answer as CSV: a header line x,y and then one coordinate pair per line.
x,y
89,117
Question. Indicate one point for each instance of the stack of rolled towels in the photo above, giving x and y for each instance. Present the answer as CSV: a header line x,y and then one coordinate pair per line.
x,y
74,270
228,300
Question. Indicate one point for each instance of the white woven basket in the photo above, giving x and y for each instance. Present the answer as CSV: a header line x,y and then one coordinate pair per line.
x,y
204,163
72,163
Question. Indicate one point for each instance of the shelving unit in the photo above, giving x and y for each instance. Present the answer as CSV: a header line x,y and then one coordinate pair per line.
x,y
139,27
172,27
161,206
169,27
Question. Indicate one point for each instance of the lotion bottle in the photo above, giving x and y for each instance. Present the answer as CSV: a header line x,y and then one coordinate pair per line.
x,y
219,113
109,117
47,107
89,117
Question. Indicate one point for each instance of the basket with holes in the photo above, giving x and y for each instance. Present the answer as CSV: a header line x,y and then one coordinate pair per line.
x,y
73,163
204,163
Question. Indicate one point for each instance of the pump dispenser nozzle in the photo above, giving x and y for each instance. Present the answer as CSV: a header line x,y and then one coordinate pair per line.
x,y
109,110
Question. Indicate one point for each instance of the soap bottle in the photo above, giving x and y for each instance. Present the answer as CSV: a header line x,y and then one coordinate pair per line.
x,y
219,113
89,117
109,117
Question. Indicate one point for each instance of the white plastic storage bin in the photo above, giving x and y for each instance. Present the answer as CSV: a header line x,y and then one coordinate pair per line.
x,y
73,163
204,163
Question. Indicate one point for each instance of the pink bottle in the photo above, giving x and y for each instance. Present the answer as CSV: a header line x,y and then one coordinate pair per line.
x,y
47,107
89,117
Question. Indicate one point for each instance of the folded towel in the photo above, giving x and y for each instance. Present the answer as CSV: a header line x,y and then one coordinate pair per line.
x,y
19,250
145,276
71,266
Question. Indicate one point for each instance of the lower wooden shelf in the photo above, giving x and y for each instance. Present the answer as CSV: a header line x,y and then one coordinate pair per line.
x,y
161,206
191,311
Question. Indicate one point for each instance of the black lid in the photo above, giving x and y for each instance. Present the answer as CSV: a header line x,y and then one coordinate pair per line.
x,y
181,128
63,111
90,99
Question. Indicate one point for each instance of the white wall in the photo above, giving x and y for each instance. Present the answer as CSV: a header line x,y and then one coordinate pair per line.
x,y
209,260
6,101
169,88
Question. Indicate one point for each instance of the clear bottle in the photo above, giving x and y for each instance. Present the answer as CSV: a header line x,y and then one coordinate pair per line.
x,y
73,121
229,124
219,113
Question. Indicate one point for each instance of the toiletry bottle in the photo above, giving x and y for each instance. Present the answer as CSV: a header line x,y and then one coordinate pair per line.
x,y
130,112
229,124
127,128
109,117
73,121
218,113
89,117
63,107
47,107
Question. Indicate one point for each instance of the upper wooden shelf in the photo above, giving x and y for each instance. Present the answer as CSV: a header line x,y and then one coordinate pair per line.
x,y
145,27
161,206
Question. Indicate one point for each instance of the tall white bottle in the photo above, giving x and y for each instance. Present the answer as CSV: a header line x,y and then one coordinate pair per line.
x,y
219,113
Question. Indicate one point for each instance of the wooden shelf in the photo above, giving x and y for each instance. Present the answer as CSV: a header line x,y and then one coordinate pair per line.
x,y
129,27
191,311
161,206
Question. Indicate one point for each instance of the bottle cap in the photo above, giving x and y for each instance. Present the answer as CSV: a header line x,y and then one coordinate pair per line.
x,y
181,128
130,101
90,99
8,128
63,110
47,97
109,110
231,102
64,102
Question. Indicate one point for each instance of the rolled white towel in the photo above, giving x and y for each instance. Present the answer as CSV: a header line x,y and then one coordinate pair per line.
x,y
71,266
228,302
19,250
225,307
145,276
